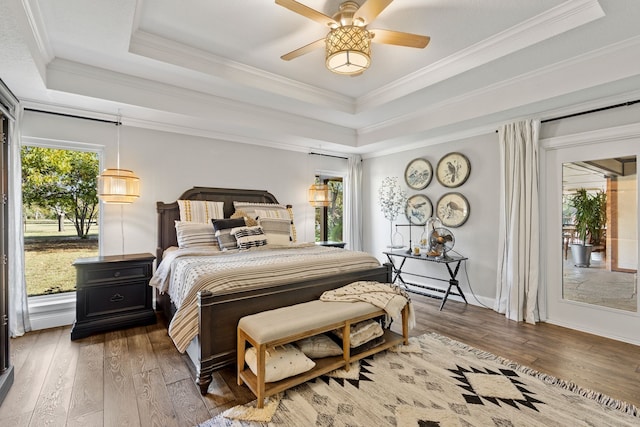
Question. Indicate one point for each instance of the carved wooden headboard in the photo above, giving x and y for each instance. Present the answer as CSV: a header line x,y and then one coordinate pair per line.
x,y
168,213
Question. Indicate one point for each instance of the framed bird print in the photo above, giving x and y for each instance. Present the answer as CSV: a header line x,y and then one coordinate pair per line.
x,y
452,209
418,174
418,209
453,170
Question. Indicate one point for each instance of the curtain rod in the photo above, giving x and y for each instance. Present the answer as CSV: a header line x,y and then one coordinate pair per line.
x,y
328,155
595,110
73,116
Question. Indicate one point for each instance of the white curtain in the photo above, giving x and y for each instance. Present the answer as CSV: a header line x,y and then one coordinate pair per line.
x,y
18,304
518,240
353,204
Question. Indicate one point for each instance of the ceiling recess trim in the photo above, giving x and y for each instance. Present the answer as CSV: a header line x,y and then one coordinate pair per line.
x,y
557,20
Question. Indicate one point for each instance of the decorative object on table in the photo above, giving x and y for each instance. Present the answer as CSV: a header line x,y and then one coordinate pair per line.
x,y
590,218
441,241
453,170
418,209
471,386
418,174
452,209
432,223
392,199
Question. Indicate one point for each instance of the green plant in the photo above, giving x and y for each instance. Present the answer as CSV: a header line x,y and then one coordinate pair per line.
x,y
590,216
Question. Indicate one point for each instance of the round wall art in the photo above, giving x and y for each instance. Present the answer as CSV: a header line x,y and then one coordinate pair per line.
x,y
418,209
418,174
452,209
453,170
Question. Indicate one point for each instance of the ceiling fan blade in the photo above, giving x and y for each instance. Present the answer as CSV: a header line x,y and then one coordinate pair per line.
x,y
304,49
399,39
370,10
308,12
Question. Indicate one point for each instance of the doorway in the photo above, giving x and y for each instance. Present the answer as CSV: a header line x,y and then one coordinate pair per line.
x,y
598,297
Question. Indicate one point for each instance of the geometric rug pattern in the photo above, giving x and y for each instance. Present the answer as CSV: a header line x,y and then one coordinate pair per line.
x,y
445,383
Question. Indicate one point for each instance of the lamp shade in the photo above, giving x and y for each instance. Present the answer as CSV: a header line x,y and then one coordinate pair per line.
x,y
120,186
319,195
348,49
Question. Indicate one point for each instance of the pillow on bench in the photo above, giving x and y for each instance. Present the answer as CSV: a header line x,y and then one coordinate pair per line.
x,y
280,362
362,332
319,346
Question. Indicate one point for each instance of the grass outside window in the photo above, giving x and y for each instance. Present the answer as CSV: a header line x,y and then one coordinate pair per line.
x,y
49,255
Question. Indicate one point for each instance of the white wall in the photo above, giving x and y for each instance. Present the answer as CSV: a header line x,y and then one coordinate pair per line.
x,y
477,239
169,164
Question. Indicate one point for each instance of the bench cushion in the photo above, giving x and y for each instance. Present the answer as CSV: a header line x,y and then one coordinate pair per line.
x,y
282,322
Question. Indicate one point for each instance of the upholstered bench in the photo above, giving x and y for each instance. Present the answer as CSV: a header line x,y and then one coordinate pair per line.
x,y
289,324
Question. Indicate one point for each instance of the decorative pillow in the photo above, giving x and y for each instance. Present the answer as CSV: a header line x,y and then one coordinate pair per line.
x,y
319,346
200,210
277,230
242,214
268,210
249,237
362,332
223,228
280,362
195,235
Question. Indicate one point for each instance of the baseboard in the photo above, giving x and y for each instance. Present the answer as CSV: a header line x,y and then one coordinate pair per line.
x,y
52,311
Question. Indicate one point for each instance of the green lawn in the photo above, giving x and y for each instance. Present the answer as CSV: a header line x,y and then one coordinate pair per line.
x,y
49,255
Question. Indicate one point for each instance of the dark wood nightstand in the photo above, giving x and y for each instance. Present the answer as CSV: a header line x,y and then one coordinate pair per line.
x,y
113,292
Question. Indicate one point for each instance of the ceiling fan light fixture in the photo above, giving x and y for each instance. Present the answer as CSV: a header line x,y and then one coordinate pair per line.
x,y
348,50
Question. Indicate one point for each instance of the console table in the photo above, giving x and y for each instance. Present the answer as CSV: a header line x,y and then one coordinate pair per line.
x,y
398,259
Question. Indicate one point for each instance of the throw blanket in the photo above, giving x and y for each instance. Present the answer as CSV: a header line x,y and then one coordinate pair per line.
x,y
242,270
387,296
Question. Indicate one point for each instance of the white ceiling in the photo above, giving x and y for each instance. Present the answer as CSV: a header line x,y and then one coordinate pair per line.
x,y
212,67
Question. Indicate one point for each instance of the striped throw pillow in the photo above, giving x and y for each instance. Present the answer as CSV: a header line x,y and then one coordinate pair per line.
x,y
195,235
277,230
201,211
249,237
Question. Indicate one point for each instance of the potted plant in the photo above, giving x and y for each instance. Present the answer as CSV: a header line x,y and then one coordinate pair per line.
x,y
589,219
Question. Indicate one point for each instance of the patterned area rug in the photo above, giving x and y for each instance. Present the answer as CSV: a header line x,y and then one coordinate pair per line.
x,y
435,381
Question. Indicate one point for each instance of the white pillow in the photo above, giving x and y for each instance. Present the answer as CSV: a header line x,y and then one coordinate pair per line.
x,y
319,346
280,362
196,235
200,210
249,237
362,332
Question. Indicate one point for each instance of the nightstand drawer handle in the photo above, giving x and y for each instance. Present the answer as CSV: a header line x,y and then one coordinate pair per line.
x,y
116,274
116,298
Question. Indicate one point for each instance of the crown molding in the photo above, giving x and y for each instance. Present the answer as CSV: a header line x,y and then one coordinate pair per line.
x,y
557,20
620,60
612,134
175,53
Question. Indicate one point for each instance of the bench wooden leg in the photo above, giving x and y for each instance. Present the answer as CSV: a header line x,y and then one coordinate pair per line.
x,y
260,354
240,353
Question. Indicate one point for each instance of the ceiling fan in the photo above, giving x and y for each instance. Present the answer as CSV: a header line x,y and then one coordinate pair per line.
x,y
348,43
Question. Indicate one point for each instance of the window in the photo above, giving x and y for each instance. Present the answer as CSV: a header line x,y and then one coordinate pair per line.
x,y
60,213
329,219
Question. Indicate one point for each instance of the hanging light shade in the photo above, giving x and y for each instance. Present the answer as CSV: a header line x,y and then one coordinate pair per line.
x,y
120,186
115,185
348,49
319,195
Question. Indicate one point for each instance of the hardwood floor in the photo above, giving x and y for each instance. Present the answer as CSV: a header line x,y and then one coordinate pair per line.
x,y
136,377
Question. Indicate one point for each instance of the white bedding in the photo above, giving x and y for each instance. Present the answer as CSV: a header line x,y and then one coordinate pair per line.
x,y
184,272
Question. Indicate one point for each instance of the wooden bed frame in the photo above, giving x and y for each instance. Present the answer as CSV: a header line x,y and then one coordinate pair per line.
x,y
219,313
